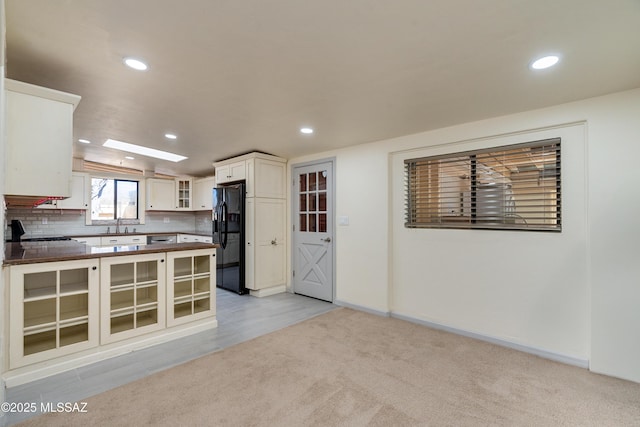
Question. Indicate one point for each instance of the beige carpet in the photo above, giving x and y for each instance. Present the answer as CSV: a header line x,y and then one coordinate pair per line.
x,y
351,368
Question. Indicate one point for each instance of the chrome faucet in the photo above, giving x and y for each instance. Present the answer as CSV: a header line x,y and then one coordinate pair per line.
x,y
117,225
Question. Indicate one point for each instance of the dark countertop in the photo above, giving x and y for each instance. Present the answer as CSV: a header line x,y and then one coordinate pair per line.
x,y
65,250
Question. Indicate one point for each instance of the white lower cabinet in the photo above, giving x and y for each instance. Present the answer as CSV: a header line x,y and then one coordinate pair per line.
x,y
53,310
57,309
191,286
134,239
89,241
132,296
187,238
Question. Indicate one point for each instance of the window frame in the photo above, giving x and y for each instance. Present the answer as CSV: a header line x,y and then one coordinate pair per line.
x,y
424,194
140,204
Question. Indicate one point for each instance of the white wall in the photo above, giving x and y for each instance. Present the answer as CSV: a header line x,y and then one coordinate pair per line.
x,y
528,288
614,211
585,301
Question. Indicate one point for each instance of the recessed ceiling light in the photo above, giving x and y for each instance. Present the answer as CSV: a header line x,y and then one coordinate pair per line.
x,y
545,62
145,151
136,64
129,157
170,136
306,130
84,141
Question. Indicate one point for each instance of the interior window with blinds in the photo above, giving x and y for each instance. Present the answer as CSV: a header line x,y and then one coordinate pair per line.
x,y
515,187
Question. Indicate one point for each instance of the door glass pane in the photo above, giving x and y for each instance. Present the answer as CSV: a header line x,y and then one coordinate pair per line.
x,y
322,223
312,202
303,182
312,223
322,180
303,203
303,222
312,182
322,202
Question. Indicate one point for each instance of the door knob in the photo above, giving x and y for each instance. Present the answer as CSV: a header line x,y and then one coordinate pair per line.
x,y
328,240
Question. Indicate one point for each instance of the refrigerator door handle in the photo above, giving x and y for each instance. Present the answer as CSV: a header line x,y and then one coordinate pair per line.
x,y
225,225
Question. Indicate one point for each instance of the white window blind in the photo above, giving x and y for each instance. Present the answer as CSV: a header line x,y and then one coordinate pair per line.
x,y
515,187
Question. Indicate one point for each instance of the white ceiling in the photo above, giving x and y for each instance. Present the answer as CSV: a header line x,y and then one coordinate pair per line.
x,y
231,76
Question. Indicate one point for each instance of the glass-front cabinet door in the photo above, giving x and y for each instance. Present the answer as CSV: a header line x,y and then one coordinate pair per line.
x,y
191,286
54,310
132,296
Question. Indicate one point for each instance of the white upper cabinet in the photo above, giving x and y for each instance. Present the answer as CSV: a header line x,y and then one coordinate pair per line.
x,y
266,178
39,132
80,184
230,172
203,193
79,199
161,194
264,174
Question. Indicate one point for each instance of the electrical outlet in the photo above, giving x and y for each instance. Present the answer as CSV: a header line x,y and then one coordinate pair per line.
x,y
45,220
166,220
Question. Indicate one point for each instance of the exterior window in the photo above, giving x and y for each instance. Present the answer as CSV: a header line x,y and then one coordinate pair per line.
x,y
514,187
113,198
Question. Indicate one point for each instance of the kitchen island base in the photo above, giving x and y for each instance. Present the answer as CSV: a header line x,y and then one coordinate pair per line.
x,y
70,306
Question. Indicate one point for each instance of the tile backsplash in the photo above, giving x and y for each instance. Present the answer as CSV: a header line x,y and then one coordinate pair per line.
x,y
47,222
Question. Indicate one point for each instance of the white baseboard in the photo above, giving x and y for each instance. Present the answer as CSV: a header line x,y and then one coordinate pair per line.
x,y
546,354
268,291
47,368
361,308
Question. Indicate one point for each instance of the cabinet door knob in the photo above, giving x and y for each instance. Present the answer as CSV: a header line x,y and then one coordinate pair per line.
x,y
274,242
94,268
161,260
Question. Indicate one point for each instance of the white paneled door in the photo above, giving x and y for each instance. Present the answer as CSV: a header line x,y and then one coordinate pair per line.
x,y
313,230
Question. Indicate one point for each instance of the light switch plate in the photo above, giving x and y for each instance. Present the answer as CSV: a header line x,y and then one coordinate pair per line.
x,y
343,220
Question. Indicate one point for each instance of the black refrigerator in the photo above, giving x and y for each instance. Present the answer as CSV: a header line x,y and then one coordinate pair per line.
x,y
228,232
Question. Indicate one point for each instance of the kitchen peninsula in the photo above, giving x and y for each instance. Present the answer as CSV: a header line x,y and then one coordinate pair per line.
x,y
71,304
